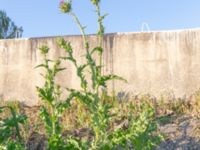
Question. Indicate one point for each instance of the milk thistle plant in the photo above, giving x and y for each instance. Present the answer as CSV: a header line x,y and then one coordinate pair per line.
x,y
11,137
53,106
100,112
50,94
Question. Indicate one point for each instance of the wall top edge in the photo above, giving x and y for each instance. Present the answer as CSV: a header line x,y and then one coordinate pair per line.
x,y
107,34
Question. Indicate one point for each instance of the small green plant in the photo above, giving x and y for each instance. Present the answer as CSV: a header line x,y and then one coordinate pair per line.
x,y
50,93
11,137
135,127
141,133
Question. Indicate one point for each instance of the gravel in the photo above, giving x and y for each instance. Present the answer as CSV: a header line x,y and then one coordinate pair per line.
x,y
181,133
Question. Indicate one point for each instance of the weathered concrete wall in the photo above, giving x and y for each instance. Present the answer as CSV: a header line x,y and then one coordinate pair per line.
x,y
153,62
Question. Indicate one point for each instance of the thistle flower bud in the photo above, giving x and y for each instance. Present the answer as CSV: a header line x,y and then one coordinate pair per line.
x,y
65,7
95,2
44,50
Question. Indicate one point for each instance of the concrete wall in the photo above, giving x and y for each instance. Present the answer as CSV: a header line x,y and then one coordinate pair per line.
x,y
154,62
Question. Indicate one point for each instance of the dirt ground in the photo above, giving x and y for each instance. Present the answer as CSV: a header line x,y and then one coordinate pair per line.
x,y
181,133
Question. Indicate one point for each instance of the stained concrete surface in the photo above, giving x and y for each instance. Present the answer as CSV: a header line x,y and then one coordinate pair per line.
x,y
152,62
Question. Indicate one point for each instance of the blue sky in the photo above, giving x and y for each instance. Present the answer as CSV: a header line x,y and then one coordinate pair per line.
x,y
42,17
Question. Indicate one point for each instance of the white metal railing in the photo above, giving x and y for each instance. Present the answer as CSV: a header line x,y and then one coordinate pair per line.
x,y
145,26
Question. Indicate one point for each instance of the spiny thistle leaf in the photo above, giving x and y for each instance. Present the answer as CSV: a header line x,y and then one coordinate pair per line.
x,y
45,117
41,66
62,106
80,71
80,95
97,49
71,59
103,79
45,95
59,70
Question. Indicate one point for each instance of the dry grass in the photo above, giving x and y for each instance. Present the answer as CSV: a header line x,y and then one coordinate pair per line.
x,y
77,115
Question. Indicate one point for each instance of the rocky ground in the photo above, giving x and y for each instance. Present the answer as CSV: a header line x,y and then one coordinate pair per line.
x,y
181,133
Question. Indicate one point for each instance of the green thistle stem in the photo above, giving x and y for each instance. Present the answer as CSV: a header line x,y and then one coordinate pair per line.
x,y
100,34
